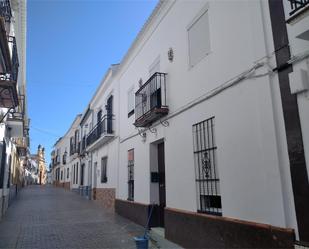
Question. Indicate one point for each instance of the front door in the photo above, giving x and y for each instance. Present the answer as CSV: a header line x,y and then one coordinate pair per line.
x,y
161,169
82,174
95,180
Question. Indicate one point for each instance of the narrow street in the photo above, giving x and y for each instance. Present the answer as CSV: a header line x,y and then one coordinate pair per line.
x,y
49,217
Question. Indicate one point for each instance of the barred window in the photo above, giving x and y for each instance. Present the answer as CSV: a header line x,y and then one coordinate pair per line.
x,y
206,171
131,175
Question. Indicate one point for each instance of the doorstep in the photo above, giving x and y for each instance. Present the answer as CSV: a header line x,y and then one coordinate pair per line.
x,y
157,239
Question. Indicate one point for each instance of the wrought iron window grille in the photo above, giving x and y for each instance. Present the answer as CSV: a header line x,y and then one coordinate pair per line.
x,y
296,5
131,175
206,172
5,10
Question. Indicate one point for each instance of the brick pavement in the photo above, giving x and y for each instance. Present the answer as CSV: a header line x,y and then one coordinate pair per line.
x,y
52,218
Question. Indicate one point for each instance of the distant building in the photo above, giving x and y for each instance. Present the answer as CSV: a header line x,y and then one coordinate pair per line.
x,y
31,172
39,160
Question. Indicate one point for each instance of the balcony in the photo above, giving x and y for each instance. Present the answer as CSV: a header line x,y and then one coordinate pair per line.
x,y
101,133
21,144
297,5
8,70
82,146
16,119
5,10
150,101
64,158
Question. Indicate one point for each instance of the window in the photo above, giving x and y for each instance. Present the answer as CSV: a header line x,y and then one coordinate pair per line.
x,y
131,102
206,172
61,175
74,171
104,169
68,173
131,175
199,41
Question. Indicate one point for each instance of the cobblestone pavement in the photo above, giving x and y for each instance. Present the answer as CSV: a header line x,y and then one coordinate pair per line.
x,y
49,217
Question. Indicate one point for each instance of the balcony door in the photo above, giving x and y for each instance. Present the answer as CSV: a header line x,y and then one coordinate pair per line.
x,y
99,123
155,86
109,114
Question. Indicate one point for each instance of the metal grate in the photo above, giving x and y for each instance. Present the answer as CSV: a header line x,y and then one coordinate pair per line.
x,y
102,128
5,10
131,175
151,95
296,5
206,172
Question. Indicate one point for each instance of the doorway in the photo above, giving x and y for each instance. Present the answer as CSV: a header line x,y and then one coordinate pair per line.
x,y
95,166
162,189
82,174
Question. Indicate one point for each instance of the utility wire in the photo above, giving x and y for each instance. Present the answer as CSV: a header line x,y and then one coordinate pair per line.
x,y
44,131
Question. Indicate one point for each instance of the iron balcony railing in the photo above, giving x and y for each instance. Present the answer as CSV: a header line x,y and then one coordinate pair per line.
x,y
20,141
103,127
18,113
5,10
296,5
15,61
83,145
150,100
11,73
74,147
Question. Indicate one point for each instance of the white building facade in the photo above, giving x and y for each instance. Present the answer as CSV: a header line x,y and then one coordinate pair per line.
x,y
206,127
14,123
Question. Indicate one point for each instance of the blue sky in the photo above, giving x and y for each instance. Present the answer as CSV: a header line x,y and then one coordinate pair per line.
x,y
70,45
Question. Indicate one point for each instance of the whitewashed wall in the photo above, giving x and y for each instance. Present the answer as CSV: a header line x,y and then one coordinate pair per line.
x,y
107,88
248,120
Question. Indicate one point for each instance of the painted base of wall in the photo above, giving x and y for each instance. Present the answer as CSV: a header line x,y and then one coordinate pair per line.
x,y
194,230
4,204
66,185
104,196
137,212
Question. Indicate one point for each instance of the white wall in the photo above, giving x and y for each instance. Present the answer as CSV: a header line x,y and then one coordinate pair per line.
x,y
108,87
251,176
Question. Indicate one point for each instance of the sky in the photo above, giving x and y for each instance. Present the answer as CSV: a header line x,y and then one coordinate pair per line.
x,y
70,46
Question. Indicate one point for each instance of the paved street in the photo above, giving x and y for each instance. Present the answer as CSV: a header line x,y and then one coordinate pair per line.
x,y
48,217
